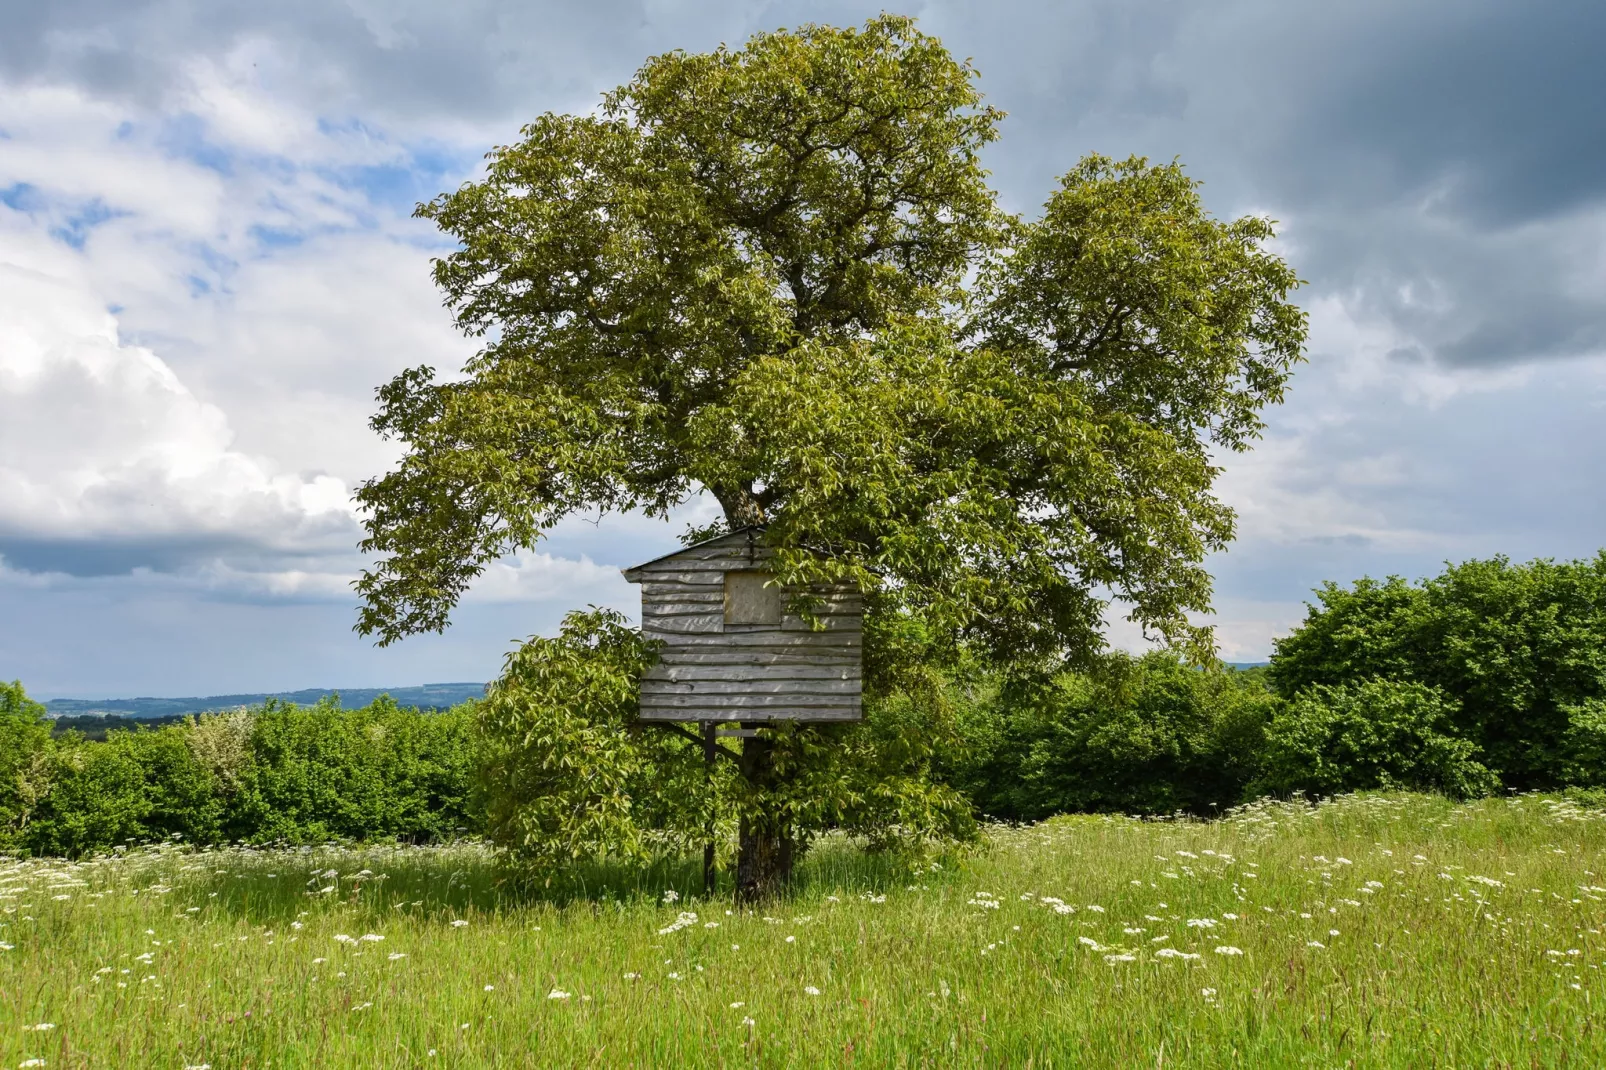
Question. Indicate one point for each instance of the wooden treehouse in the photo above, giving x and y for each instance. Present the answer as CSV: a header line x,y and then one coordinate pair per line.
x,y
731,647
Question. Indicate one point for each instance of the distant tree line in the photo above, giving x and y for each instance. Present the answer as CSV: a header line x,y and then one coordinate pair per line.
x,y
1488,677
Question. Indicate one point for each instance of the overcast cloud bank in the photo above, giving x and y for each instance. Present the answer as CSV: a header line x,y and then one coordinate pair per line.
x,y
207,263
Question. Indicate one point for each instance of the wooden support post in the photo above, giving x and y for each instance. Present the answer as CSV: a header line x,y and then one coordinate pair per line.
x,y
708,847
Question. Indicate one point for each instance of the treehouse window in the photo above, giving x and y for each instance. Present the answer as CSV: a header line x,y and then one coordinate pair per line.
x,y
749,601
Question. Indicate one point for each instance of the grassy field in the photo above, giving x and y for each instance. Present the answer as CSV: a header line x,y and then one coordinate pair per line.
x,y
1369,931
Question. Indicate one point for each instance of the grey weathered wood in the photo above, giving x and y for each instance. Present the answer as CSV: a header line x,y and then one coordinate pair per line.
x,y
752,598
748,698
832,659
729,716
731,647
805,671
802,690
779,640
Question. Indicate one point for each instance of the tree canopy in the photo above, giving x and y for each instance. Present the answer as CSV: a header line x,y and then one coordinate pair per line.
x,y
776,274
1516,651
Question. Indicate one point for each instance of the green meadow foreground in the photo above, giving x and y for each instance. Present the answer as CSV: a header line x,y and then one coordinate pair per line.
x,y
1369,931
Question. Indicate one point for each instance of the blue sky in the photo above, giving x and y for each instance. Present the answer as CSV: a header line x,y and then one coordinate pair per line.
x,y
208,263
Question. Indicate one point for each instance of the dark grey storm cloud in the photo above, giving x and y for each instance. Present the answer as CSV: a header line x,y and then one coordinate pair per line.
x,y
1406,144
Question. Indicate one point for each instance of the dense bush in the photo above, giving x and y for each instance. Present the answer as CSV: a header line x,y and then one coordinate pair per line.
x,y
278,773
572,774
1140,735
1375,734
24,749
134,787
314,773
1518,652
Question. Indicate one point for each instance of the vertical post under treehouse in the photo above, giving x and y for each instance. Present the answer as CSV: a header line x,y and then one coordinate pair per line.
x,y
708,846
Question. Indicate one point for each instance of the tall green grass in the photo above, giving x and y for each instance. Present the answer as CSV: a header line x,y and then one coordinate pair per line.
x,y
1374,930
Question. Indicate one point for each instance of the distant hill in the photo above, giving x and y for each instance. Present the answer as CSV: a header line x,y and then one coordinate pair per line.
x,y
427,696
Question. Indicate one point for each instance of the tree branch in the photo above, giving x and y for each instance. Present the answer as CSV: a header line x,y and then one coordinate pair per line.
x,y
673,727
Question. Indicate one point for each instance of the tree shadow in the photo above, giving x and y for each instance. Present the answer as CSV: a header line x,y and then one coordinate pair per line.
x,y
274,887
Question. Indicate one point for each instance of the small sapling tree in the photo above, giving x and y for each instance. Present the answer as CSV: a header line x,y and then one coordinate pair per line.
x,y
776,275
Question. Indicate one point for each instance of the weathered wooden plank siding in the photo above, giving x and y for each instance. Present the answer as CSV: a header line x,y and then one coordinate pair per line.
x,y
747,701
808,670
703,683
712,667
742,716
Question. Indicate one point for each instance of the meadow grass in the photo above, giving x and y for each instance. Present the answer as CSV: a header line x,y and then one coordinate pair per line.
x,y
1374,930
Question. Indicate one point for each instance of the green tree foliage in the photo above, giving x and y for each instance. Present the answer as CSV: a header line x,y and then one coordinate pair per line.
x,y
24,750
1518,652
748,275
319,772
134,787
1147,735
573,775
1378,733
777,275
278,773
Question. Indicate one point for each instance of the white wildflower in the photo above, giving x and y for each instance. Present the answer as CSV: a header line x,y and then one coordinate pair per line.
x,y
1201,923
458,923
371,938
685,918
556,993
811,990
1226,950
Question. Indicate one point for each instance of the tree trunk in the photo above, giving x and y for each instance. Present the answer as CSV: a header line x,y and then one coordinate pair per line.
x,y
764,844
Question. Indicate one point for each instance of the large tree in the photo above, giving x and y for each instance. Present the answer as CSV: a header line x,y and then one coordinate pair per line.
x,y
776,275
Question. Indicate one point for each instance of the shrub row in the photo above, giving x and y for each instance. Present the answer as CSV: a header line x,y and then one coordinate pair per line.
x,y
277,773
1489,676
